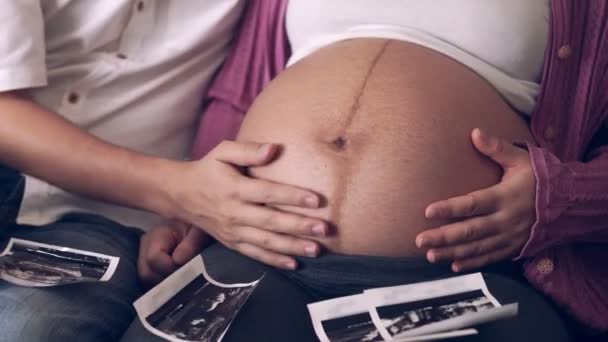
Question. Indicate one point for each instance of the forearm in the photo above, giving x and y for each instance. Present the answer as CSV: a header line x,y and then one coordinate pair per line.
x,y
43,144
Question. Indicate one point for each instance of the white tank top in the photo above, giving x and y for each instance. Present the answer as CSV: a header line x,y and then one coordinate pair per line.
x,y
504,41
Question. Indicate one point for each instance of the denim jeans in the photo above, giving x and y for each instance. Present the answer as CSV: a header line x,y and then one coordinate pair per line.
x,y
79,312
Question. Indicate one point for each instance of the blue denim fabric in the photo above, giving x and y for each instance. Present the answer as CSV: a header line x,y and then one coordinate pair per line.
x,y
12,184
79,312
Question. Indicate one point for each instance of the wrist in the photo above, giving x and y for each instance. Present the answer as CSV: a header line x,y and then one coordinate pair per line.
x,y
159,196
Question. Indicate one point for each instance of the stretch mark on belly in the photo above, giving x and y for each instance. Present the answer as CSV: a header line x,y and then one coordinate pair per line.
x,y
340,143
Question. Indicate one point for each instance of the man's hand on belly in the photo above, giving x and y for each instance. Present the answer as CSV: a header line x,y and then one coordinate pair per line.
x,y
240,211
493,223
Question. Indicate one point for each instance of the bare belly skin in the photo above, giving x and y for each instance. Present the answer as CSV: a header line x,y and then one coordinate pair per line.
x,y
381,129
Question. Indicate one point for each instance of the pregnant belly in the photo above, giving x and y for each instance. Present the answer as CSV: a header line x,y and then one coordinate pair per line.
x,y
380,129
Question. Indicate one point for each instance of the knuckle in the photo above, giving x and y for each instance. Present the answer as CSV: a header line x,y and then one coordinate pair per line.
x,y
149,255
456,255
266,242
231,220
271,220
266,195
228,237
467,232
238,190
500,215
233,193
477,249
504,217
472,204
233,237
156,259
225,214
459,253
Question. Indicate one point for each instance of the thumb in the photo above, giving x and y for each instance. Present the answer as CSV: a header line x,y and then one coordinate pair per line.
x,y
190,246
501,151
245,154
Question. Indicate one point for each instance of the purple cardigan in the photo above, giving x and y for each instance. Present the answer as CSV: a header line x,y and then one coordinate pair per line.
x,y
565,254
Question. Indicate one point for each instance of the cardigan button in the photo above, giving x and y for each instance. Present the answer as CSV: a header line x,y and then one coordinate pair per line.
x,y
564,52
73,98
545,266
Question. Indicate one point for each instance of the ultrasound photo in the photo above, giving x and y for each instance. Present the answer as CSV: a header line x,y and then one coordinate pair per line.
x,y
344,319
355,328
398,318
29,263
199,312
191,306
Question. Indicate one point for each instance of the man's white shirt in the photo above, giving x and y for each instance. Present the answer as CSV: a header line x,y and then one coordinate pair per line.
x,y
129,72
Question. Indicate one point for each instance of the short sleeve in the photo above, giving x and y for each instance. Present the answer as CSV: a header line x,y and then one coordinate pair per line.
x,y
22,45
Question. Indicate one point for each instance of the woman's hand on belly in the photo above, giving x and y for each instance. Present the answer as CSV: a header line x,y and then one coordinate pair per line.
x,y
494,223
240,211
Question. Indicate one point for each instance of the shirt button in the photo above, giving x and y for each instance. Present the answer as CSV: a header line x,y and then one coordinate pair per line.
x,y
550,132
73,98
140,6
564,52
545,266
121,55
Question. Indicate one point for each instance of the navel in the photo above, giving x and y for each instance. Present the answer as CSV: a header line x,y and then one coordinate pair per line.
x,y
339,143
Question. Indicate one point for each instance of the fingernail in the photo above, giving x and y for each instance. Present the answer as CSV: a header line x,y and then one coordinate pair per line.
x,y
431,257
265,149
481,135
420,242
429,213
318,229
312,201
455,268
290,265
311,250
